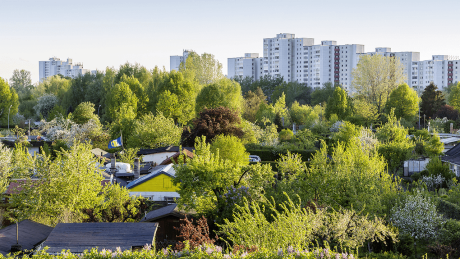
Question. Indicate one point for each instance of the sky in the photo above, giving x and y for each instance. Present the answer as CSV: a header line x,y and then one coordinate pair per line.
x,y
102,34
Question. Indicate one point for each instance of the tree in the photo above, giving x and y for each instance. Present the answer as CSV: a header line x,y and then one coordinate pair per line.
x,y
321,94
121,103
21,80
57,86
207,179
213,122
154,131
138,90
45,104
432,100
281,109
252,101
6,156
338,104
447,111
175,97
417,217
404,101
8,98
230,148
66,185
223,93
294,91
454,96
375,77
303,114
204,69
85,112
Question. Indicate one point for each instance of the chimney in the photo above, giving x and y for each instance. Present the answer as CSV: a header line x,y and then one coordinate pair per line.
x,y
137,168
113,163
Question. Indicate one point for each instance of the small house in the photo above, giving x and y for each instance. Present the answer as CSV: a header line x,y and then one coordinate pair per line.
x,y
78,237
29,236
156,186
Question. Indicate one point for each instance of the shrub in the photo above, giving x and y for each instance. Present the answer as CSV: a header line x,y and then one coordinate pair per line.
x,y
286,135
449,209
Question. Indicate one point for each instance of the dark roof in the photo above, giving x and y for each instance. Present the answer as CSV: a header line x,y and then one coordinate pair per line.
x,y
15,186
453,151
78,237
163,212
168,160
451,159
161,150
161,170
30,234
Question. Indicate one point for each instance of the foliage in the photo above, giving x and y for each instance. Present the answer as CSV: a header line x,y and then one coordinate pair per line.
x,y
222,93
20,80
295,92
45,104
375,77
196,235
230,148
53,85
432,100
286,135
303,114
436,167
404,100
416,216
153,131
347,131
298,227
56,112
205,179
6,156
338,104
128,155
447,111
121,103
320,95
204,69
449,210
213,122
8,98
65,186
175,97
267,83
84,112
454,96
252,101
365,113
252,132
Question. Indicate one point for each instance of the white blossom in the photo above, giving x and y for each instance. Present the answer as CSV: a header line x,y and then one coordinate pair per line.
x,y
68,131
336,126
417,216
433,183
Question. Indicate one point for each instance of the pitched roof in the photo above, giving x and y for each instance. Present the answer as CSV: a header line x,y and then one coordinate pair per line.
x,y
161,170
15,186
453,151
30,234
168,160
163,212
161,150
78,237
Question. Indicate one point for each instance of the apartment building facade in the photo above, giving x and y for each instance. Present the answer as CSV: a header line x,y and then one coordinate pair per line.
x,y
298,59
54,66
175,61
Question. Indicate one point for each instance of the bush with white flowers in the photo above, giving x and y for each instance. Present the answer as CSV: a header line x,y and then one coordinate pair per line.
x,y
68,131
45,104
416,216
433,182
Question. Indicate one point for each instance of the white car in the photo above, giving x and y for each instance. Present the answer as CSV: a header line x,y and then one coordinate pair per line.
x,y
254,158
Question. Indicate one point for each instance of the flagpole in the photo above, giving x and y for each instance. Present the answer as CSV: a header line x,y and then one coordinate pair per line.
x,y
121,136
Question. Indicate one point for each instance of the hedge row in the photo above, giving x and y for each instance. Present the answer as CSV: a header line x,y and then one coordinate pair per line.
x,y
270,155
449,209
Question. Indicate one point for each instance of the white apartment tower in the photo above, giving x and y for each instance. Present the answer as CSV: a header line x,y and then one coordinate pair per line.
x,y
66,68
175,61
298,59
442,70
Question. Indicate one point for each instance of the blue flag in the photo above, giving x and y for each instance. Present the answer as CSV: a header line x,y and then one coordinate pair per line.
x,y
115,143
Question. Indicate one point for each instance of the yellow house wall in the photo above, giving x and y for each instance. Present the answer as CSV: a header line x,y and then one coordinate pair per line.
x,y
161,183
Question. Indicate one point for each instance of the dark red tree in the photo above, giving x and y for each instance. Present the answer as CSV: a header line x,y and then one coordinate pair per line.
x,y
447,111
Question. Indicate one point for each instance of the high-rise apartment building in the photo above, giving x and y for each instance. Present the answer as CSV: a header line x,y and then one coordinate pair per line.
x,y
298,59
66,68
175,61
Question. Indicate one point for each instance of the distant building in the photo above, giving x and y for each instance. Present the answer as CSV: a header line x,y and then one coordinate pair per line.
x,y
66,68
175,61
299,60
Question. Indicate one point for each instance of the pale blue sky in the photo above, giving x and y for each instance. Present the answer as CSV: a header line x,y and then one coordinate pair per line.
x,y
109,33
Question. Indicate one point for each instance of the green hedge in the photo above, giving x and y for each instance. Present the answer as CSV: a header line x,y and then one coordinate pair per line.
x,y
270,155
449,209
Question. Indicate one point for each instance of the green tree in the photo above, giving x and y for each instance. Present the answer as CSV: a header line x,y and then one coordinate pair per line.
x,y
281,109
121,103
138,90
8,98
230,148
66,185
58,86
154,131
21,80
432,100
205,180
204,69
454,96
85,112
175,97
6,156
45,104
338,104
320,95
375,77
223,93
346,133
252,101
303,114
294,91
404,100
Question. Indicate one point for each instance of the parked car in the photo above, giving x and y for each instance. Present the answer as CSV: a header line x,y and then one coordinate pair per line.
x,y
254,158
